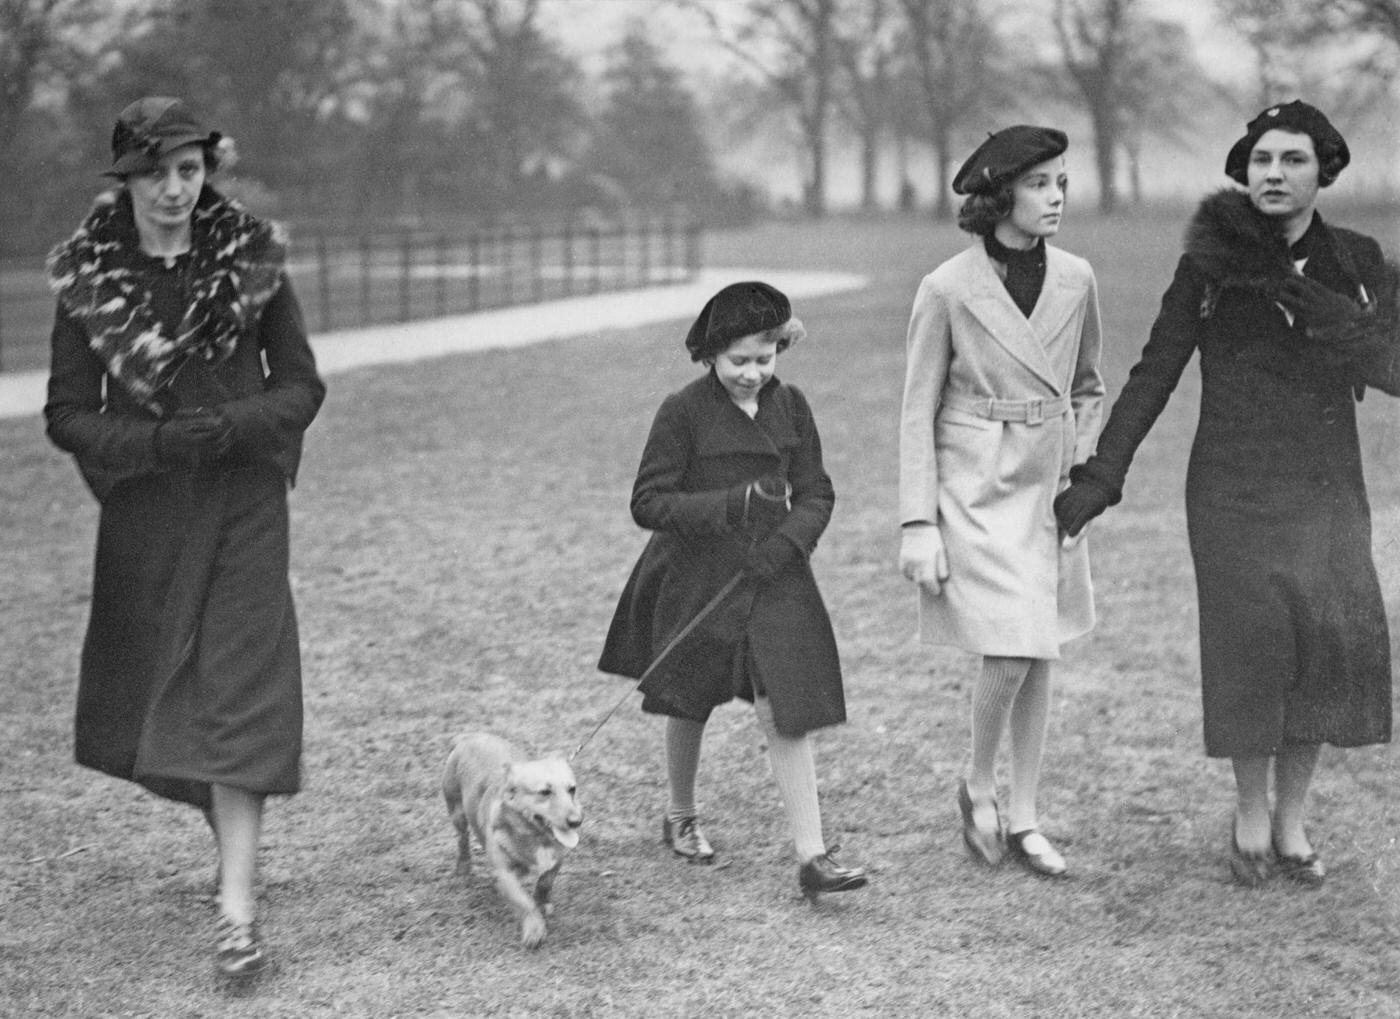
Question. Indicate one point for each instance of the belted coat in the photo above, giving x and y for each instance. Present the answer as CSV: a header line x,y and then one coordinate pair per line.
x,y
997,407
774,636
1294,640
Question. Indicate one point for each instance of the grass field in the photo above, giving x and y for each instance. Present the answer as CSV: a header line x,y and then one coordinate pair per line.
x,y
460,536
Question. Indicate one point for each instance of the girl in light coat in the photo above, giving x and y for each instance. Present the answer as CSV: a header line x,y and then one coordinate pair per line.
x,y
1002,396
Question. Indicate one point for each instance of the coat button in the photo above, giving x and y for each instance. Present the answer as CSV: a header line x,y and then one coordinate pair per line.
x,y
1329,415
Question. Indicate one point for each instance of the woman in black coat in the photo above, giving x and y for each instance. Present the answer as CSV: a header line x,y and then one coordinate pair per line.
x,y
181,381
731,483
1294,319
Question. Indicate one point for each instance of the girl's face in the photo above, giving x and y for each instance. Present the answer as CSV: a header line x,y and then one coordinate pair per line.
x,y
1039,205
163,197
745,365
1283,174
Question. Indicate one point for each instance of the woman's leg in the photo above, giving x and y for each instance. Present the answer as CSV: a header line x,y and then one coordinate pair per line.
x,y
683,737
237,817
1030,713
1252,834
1293,771
795,772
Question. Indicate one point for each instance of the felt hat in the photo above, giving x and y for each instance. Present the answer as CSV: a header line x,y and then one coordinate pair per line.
x,y
737,310
1005,154
1296,116
152,127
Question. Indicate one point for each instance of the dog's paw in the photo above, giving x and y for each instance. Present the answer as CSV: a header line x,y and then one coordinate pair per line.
x,y
532,931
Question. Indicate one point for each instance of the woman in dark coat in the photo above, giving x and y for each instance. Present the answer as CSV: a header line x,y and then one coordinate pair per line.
x,y
181,382
1293,319
731,483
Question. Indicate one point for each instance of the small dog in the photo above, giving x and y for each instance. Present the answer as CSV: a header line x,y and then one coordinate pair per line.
x,y
524,813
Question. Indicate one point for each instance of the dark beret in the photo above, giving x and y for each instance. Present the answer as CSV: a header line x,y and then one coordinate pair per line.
x,y
1296,116
1004,155
738,310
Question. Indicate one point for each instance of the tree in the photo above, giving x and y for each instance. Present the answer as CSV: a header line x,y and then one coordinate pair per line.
x,y
866,43
1163,85
648,142
956,56
791,44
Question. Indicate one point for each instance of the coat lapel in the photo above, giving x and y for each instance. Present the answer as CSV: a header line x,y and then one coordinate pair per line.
x,y
1023,339
728,430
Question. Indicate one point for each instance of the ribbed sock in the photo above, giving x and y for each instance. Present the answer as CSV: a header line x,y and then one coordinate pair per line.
x,y
991,704
1030,713
795,772
683,737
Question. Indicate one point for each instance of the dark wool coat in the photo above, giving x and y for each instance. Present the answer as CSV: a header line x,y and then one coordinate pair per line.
x,y
1294,641
776,636
190,670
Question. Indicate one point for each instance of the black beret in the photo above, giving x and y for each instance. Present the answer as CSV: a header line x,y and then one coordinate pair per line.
x,y
1296,116
738,310
151,128
1005,154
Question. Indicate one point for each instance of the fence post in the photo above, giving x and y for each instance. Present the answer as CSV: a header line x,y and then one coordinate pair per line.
x,y
507,251
366,253
405,275
323,279
595,237
692,253
644,241
440,279
568,258
537,263
474,270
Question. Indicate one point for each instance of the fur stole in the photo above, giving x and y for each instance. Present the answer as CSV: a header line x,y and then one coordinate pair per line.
x,y
1235,246
235,268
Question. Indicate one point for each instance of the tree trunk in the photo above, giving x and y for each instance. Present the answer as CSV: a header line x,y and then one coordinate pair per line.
x,y
869,167
1105,161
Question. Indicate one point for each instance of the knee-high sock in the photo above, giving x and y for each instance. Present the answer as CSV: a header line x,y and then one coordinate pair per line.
x,y
992,698
795,772
682,763
1030,712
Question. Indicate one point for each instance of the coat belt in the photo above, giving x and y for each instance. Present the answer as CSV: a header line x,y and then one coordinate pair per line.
x,y
1032,412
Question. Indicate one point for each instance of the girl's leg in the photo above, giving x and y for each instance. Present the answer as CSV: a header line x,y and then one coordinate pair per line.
x,y
237,817
1030,713
1293,771
992,698
795,772
679,828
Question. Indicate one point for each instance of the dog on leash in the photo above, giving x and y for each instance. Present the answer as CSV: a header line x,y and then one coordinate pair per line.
x,y
524,813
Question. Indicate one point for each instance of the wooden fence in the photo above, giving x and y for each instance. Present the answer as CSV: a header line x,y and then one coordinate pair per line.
x,y
407,274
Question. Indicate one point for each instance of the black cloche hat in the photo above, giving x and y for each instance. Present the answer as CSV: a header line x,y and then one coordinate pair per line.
x,y
152,127
1005,154
1296,116
737,310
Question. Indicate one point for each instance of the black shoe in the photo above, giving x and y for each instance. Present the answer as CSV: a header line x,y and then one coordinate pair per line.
x,y
686,839
823,874
1047,862
238,952
1250,870
984,846
1307,871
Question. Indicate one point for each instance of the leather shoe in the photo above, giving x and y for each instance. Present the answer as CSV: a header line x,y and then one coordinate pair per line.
x,y
984,846
686,839
1252,869
1040,857
1307,871
823,874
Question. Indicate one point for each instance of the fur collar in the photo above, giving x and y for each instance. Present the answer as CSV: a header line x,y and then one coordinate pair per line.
x,y
1233,244
235,268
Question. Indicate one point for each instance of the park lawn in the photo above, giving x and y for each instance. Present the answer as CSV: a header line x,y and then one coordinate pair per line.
x,y
460,536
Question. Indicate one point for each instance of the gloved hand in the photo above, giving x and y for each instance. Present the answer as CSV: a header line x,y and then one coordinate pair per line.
x,y
1321,308
922,557
771,556
1081,502
193,439
759,505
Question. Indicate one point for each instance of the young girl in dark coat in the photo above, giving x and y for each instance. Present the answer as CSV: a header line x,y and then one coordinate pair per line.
x,y
731,483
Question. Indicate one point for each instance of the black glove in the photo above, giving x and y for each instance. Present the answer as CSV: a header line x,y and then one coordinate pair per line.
x,y
771,556
193,439
1081,502
1321,308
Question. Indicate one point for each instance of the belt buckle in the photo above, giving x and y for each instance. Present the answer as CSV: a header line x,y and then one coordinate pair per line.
x,y
1035,412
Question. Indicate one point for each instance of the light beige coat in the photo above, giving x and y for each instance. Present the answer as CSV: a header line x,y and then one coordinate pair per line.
x,y
989,484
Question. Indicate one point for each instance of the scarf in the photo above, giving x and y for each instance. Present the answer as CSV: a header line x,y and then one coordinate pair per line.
x,y
1025,271
234,268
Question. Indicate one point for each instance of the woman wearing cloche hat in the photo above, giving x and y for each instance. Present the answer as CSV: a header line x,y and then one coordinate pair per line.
x,y
181,381
731,484
1293,319
1001,395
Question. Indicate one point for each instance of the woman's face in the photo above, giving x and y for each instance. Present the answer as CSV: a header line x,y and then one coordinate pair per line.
x,y
1283,174
163,197
745,365
1039,204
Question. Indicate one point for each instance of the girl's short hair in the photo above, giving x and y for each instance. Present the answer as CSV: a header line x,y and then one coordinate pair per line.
x,y
981,212
790,332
